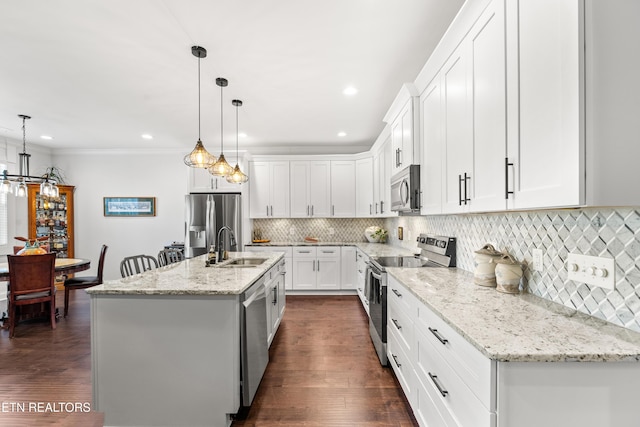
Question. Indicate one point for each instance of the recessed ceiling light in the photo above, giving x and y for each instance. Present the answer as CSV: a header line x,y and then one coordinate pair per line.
x,y
146,136
342,134
350,90
46,137
242,135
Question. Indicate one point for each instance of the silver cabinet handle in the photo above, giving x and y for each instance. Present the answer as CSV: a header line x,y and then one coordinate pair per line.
x,y
311,210
376,208
267,210
395,322
370,209
313,265
382,206
399,157
440,387
395,359
318,265
275,295
398,294
333,210
271,210
307,210
304,252
442,339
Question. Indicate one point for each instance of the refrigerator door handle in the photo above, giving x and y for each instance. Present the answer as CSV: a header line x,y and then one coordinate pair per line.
x,y
210,238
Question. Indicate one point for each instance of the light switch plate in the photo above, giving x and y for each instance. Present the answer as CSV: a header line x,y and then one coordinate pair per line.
x,y
537,264
592,270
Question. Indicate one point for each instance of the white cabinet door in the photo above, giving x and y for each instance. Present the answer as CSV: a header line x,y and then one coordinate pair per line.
x,y
259,189
343,188
547,150
304,273
328,273
457,155
384,183
486,44
300,177
364,187
320,188
279,189
402,138
432,146
378,158
348,268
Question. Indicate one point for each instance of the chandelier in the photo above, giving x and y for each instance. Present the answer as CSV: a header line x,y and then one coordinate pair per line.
x,y
18,183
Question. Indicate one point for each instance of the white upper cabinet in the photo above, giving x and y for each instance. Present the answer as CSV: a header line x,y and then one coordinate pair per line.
x,y
343,188
310,188
382,180
432,140
269,189
546,145
364,187
403,119
201,181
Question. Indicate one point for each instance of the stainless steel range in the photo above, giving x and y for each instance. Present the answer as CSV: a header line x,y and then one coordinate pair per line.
x,y
435,251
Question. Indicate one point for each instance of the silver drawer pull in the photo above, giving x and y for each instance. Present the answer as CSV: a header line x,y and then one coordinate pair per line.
x,y
441,389
395,322
398,294
304,252
328,252
395,359
437,335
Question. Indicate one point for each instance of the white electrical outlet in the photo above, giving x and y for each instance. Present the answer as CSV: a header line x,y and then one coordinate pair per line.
x,y
592,270
292,231
538,263
332,231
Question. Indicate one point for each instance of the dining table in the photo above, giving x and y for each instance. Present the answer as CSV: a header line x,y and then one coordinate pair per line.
x,y
63,266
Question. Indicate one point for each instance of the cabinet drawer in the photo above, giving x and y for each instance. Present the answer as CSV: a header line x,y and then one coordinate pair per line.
x,y
304,252
286,249
401,364
328,251
401,323
401,296
447,390
470,365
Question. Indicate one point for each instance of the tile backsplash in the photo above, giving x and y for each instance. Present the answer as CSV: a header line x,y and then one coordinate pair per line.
x,y
607,232
344,229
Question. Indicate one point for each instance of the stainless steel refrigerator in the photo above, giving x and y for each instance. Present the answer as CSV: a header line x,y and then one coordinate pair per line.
x,y
205,215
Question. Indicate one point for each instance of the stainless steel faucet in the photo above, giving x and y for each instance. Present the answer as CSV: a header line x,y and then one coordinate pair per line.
x,y
232,236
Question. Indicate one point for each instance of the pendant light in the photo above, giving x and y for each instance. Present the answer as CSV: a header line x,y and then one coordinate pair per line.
x,y
221,167
199,157
237,177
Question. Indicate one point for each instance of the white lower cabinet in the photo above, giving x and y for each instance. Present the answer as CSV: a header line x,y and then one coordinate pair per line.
x,y
361,269
316,268
449,386
348,268
275,292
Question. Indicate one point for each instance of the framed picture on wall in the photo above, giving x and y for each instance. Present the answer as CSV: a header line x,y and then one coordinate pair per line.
x,y
129,206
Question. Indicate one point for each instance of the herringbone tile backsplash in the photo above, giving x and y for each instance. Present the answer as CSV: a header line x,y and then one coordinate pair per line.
x,y
612,233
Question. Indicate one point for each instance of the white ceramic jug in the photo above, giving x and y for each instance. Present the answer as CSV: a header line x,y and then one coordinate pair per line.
x,y
485,272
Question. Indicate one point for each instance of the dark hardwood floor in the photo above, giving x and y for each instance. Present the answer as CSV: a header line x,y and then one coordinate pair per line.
x,y
323,371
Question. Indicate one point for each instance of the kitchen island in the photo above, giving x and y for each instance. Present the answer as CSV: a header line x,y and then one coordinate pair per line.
x,y
165,344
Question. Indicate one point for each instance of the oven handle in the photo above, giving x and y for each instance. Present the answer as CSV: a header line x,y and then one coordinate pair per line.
x,y
375,275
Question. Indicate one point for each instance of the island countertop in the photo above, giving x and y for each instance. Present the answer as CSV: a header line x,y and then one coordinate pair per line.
x,y
192,277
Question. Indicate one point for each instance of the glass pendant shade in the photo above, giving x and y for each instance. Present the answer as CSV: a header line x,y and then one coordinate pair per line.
x,y
199,157
221,167
237,177
21,189
46,188
5,186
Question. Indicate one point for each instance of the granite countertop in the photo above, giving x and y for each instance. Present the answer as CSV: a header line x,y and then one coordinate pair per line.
x,y
191,277
303,243
520,327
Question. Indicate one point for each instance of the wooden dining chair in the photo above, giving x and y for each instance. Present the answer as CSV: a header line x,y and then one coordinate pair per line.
x,y
84,282
31,281
137,264
169,256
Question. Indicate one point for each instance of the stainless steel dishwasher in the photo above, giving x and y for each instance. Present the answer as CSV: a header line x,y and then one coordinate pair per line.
x,y
253,340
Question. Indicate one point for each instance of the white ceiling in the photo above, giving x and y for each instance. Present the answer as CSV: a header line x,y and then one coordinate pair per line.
x,y
98,74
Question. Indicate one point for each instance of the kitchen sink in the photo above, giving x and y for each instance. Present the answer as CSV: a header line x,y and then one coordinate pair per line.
x,y
244,262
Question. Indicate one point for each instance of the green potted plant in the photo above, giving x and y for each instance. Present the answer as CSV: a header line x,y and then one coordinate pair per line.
x,y
381,235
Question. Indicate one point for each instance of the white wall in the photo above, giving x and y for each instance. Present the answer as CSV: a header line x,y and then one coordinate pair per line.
x,y
98,174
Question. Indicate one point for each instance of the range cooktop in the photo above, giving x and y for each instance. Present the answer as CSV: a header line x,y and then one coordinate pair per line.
x,y
404,261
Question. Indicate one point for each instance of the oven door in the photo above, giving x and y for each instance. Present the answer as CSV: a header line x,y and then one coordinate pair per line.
x,y
378,312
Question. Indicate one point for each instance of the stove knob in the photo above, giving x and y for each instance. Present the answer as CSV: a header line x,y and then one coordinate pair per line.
x,y
442,243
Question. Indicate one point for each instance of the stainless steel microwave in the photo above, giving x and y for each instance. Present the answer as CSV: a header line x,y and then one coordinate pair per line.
x,y
405,190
